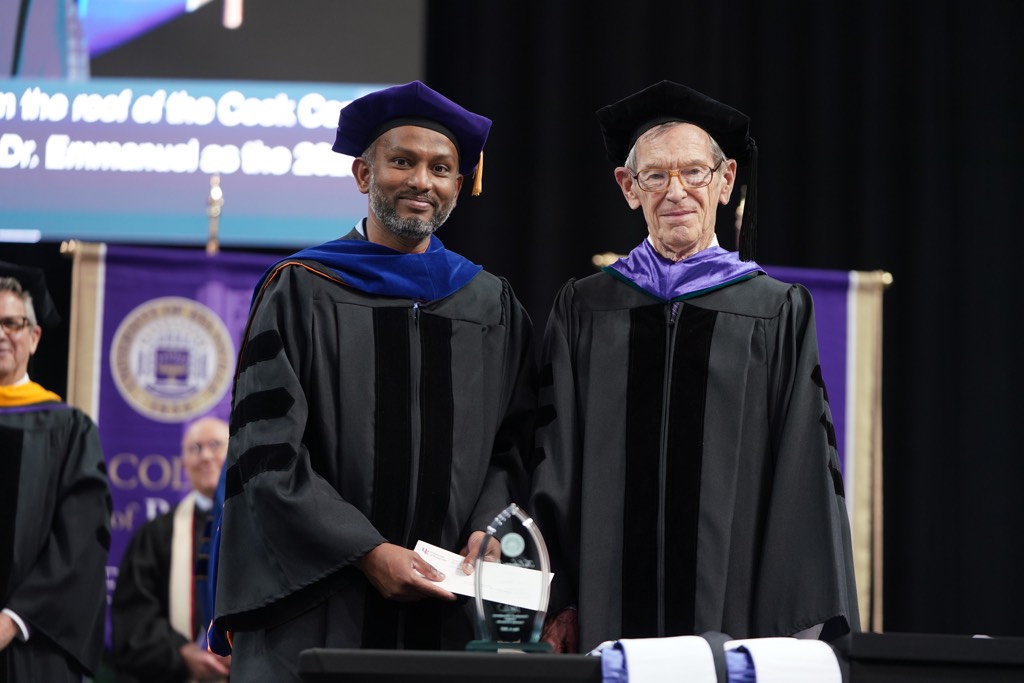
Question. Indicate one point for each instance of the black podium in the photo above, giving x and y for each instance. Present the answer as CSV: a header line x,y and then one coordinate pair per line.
x,y
864,658
931,658
404,666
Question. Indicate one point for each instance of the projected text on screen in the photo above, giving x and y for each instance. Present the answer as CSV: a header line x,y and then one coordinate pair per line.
x,y
116,160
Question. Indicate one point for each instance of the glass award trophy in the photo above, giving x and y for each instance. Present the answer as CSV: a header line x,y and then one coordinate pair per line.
x,y
512,592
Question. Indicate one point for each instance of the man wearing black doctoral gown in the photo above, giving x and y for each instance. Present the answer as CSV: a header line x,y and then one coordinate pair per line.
x,y
54,507
689,480
384,395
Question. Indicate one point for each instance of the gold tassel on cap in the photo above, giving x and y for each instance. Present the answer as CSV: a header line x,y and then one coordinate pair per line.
x,y
478,176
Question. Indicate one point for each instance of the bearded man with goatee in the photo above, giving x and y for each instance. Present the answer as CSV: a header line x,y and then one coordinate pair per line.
x,y
384,395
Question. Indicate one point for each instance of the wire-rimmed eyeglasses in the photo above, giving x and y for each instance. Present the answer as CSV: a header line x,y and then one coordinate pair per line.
x,y
196,447
691,177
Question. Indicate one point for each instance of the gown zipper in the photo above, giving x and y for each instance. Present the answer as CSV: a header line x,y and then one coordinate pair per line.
x,y
671,314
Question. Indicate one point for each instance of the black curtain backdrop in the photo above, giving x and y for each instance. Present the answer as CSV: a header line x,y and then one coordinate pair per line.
x,y
889,139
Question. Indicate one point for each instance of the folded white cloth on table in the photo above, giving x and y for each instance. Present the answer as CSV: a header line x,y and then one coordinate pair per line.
x,y
789,660
658,660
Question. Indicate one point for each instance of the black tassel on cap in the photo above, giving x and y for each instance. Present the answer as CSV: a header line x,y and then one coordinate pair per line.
x,y
748,227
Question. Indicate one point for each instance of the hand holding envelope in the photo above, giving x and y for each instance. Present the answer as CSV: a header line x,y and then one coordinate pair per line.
x,y
503,583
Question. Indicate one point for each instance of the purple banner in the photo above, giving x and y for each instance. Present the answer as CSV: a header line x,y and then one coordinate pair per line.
x,y
830,290
172,322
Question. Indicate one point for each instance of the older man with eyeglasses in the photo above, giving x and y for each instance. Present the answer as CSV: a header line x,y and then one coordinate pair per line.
x,y
54,506
687,477
159,610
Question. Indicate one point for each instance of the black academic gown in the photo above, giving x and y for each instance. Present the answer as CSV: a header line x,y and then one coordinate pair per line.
x,y
55,532
359,419
688,478
146,646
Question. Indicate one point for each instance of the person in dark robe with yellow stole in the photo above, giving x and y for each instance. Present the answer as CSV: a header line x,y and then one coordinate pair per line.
x,y
54,507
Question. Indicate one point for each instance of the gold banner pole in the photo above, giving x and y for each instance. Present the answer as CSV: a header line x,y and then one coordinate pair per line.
x,y
214,202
